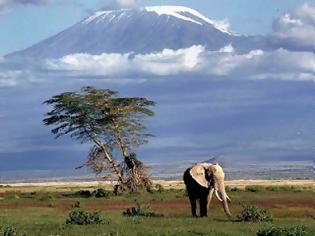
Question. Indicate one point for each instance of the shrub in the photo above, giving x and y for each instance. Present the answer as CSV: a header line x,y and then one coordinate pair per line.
x,y
100,193
79,217
254,214
234,189
139,210
286,188
83,193
297,190
51,205
9,230
44,197
283,231
253,188
273,188
159,188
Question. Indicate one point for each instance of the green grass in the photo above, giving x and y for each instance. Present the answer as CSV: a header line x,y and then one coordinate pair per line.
x,y
45,214
46,223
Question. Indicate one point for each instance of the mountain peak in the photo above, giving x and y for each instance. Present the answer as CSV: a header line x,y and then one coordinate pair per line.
x,y
140,30
188,14
179,12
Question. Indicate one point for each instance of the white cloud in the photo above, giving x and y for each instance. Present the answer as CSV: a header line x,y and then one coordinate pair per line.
x,y
103,64
127,3
123,4
7,6
194,61
9,78
259,64
228,48
297,28
167,62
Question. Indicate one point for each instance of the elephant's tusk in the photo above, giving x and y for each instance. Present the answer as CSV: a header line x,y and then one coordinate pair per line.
x,y
217,195
228,198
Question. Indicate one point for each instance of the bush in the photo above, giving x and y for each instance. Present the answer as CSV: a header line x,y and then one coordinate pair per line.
x,y
79,217
100,193
83,193
9,230
283,231
139,210
254,214
51,205
286,188
159,188
234,189
273,188
253,188
44,197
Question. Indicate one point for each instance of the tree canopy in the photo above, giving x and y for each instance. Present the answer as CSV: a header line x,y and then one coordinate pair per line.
x,y
100,117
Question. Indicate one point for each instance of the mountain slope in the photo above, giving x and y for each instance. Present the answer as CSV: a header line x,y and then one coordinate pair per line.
x,y
142,30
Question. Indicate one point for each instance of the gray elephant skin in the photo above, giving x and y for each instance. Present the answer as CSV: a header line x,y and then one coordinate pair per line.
x,y
202,180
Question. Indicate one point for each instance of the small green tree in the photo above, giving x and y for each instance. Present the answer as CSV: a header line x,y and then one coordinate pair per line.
x,y
100,117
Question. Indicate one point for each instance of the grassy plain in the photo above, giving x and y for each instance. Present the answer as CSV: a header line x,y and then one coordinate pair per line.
x,y
40,210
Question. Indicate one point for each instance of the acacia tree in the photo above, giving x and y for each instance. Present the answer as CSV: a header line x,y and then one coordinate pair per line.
x,y
109,122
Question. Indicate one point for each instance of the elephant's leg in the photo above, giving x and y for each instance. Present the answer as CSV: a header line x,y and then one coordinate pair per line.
x,y
203,206
210,197
193,205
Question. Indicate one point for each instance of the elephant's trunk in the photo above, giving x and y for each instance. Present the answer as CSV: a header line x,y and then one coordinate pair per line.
x,y
225,199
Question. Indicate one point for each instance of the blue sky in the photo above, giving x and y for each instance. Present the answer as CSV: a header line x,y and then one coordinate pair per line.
x,y
27,24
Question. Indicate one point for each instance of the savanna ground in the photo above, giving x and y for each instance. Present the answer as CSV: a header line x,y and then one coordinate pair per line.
x,y
42,209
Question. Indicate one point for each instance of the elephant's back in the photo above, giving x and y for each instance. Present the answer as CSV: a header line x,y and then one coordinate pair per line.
x,y
192,185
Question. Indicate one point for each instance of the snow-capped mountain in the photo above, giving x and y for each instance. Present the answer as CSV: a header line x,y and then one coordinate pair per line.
x,y
141,30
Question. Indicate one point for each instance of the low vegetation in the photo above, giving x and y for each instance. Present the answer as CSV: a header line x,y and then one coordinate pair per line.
x,y
162,211
251,213
283,231
272,188
8,230
139,210
98,193
78,216
254,188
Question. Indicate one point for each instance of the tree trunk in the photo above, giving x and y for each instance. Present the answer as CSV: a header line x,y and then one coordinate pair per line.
x,y
122,147
109,159
113,164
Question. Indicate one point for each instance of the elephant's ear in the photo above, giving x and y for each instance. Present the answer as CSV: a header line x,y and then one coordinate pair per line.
x,y
198,173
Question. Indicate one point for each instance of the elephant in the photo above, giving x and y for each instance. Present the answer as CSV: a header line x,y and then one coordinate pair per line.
x,y
201,180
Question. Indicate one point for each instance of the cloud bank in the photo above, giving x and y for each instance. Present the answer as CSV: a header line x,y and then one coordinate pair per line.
x,y
193,61
297,28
